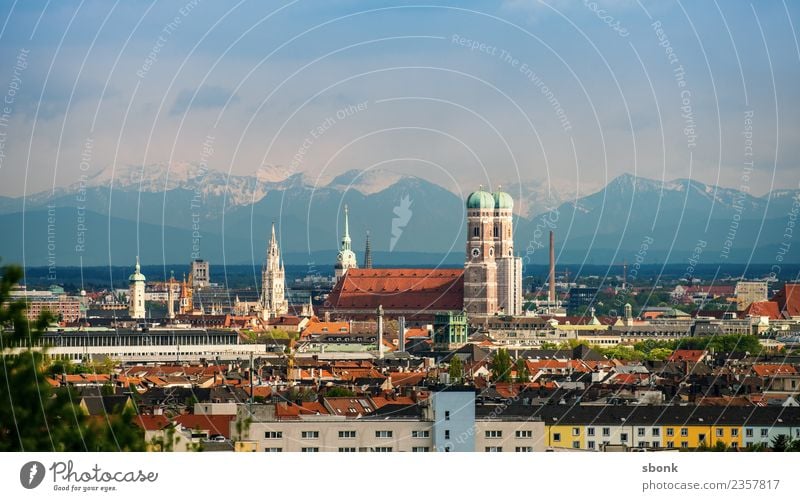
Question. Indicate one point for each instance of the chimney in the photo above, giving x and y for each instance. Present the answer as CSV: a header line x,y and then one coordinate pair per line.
x,y
552,295
401,334
380,331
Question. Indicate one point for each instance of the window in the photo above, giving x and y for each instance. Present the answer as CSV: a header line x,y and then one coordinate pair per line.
x,y
720,432
670,432
447,434
590,432
576,431
684,432
447,415
523,449
639,432
309,449
576,444
420,449
656,432
556,437
764,432
383,434
748,432
273,449
701,438
684,445
623,437
524,434
734,432
447,449
656,444
494,434
734,445
643,444
347,434
670,445
310,434
494,449
475,232
606,432
420,434
590,444
382,449
347,449
273,434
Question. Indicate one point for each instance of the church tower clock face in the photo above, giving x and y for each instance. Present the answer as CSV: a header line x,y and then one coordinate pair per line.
x,y
476,252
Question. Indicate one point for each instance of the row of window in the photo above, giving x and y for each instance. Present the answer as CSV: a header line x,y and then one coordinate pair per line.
x,y
517,434
310,435
350,449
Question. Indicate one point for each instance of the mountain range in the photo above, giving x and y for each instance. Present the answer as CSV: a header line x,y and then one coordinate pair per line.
x,y
170,215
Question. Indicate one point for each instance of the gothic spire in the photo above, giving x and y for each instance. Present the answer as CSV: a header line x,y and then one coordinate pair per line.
x,y
367,254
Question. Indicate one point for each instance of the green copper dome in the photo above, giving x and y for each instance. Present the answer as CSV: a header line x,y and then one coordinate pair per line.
x,y
480,200
503,200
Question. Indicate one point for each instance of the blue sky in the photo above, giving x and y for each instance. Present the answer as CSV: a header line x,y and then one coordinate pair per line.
x,y
261,76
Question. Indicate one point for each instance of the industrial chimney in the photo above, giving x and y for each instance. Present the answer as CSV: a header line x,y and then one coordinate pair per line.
x,y
552,294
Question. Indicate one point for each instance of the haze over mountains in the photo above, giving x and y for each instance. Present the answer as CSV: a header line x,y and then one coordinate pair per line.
x,y
228,218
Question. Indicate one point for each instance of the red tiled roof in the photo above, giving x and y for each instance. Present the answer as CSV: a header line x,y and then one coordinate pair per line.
x,y
788,300
763,309
764,370
289,410
215,425
399,289
407,378
327,328
151,423
687,355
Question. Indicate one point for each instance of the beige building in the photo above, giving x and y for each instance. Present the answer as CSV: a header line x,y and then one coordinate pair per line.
x,y
750,292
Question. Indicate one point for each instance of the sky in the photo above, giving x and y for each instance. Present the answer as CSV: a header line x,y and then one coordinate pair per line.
x,y
557,93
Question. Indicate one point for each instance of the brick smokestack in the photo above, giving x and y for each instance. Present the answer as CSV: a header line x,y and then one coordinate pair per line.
x,y
552,294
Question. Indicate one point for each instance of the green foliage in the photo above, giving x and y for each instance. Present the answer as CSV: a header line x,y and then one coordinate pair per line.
x,y
523,375
501,366
456,369
338,391
33,416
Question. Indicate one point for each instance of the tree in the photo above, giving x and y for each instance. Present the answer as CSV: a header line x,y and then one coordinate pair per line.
x,y
501,366
456,369
34,416
523,375
780,443
338,391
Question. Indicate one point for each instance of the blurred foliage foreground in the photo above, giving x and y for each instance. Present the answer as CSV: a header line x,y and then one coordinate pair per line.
x,y
36,416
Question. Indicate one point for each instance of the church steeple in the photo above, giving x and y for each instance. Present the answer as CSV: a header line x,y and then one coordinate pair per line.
x,y
347,244
367,254
273,281
346,258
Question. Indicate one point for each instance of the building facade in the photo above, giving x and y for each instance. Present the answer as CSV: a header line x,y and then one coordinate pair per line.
x,y
201,273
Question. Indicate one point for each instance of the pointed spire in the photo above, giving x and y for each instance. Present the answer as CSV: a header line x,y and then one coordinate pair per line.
x,y
367,254
272,239
138,268
346,223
